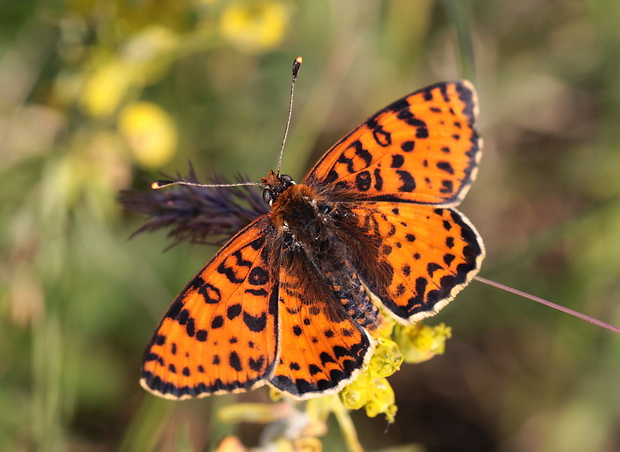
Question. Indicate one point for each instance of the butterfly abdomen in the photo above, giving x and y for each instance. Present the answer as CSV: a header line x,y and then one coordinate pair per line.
x,y
316,239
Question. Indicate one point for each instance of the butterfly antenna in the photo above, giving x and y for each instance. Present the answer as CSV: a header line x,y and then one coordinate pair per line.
x,y
296,66
167,183
548,303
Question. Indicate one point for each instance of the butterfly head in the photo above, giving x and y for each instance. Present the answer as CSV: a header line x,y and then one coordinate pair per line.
x,y
275,185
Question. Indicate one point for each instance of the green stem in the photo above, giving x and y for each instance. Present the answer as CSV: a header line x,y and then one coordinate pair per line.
x,y
346,425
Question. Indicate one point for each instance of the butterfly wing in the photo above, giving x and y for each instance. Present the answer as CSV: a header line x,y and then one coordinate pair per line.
x,y
432,254
321,347
422,148
219,335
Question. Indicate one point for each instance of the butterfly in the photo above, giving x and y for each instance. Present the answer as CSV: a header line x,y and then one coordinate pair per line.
x,y
293,299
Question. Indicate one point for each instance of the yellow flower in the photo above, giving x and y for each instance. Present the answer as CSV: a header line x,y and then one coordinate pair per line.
x,y
254,27
382,400
150,133
355,395
105,88
386,359
371,389
150,53
420,342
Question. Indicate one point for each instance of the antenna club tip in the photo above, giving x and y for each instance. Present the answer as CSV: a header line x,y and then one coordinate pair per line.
x,y
160,184
296,66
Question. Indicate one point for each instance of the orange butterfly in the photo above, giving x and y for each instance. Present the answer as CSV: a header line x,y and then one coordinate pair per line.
x,y
290,301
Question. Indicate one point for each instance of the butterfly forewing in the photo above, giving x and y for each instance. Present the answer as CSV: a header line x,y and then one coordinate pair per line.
x,y
422,148
219,335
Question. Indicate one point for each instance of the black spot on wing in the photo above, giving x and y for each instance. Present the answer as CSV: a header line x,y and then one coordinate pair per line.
x,y
397,161
421,133
447,186
417,300
190,327
257,364
233,311
229,273
448,258
408,146
255,324
445,166
234,361
217,322
381,137
432,267
258,276
361,153
407,181
210,293
363,181
378,179
174,309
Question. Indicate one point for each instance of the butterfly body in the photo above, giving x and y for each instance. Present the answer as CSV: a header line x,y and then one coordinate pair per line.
x,y
293,299
316,234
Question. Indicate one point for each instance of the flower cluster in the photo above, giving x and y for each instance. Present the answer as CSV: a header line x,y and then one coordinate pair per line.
x,y
371,389
254,27
138,45
395,345
419,342
299,429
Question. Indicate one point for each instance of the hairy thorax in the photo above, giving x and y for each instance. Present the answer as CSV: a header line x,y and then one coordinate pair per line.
x,y
301,216
318,239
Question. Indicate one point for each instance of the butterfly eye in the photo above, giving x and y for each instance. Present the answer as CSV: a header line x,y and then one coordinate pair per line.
x,y
287,180
268,196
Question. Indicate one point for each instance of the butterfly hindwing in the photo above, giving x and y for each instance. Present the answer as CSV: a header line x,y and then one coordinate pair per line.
x,y
219,335
432,252
321,346
422,148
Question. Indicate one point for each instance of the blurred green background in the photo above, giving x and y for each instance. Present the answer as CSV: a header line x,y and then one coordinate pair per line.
x,y
98,96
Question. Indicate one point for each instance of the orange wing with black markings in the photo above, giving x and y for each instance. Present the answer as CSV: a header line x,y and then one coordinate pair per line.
x,y
433,253
219,335
422,148
321,347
